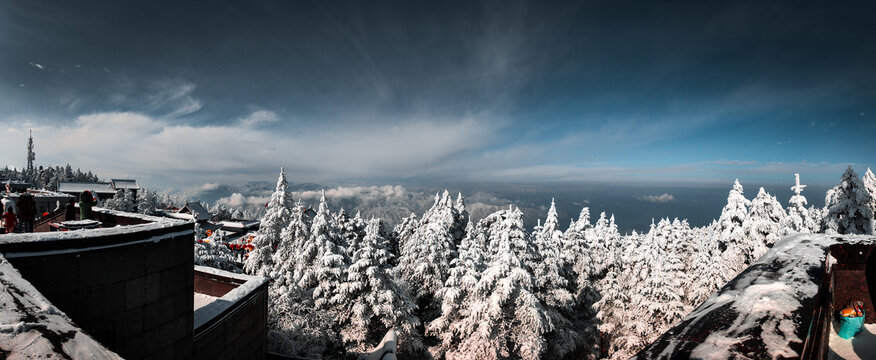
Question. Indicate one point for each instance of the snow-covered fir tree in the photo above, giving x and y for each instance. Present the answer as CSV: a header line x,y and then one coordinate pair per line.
x,y
661,292
123,200
799,219
505,318
869,182
425,258
455,296
600,239
847,207
292,240
577,254
215,254
370,301
732,241
323,260
706,271
763,226
148,202
403,232
267,238
350,231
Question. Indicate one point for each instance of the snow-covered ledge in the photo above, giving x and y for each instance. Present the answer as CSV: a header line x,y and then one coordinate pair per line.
x,y
219,305
765,312
43,243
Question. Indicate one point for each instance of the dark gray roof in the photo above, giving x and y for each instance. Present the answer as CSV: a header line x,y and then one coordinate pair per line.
x,y
196,208
124,184
78,187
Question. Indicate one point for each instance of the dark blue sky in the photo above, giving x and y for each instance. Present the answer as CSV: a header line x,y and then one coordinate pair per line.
x,y
177,93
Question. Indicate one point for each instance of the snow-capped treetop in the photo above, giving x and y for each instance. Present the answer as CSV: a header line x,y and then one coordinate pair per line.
x,y
322,259
869,182
848,209
799,218
292,240
460,204
425,257
763,226
551,223
277,216
736,210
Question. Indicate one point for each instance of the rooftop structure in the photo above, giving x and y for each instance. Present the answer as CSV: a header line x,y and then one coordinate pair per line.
x,y
130,184
191,209
100,190
123,290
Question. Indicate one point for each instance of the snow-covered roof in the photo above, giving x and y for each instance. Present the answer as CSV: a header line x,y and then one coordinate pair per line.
x,y
124,184
78,187
763,313
31,327
195,208
42,194
219,305
153,223
239,225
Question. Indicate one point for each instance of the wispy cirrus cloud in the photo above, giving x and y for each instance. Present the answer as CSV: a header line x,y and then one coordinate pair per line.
x,y
259,117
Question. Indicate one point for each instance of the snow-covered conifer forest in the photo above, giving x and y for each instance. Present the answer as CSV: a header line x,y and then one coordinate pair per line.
x,y
455,289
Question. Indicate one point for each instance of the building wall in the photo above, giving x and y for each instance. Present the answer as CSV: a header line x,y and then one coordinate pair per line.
x,y
239,334
135,299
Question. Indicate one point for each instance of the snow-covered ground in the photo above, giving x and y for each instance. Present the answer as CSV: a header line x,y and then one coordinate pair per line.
x,y
860,347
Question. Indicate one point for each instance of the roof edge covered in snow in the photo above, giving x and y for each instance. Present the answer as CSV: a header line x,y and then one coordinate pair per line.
x,y
146,228
763,313
247,286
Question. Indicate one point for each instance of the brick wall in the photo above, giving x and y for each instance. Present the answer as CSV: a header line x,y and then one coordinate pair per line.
x,y
135,299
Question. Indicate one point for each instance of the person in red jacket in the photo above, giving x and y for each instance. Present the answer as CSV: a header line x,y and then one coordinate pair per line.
x,y
9,221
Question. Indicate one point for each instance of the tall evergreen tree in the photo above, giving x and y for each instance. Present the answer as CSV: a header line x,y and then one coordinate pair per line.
x,y
847,207
505,318
869,182
425,258
763,226
370,303
732,239
456,296
323,260
267,238
799,219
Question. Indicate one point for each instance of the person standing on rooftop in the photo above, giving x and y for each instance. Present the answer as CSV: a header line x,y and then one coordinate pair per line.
x,y
86,202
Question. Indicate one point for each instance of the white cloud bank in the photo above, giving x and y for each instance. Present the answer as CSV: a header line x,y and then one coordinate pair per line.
x,y
658,199
168,152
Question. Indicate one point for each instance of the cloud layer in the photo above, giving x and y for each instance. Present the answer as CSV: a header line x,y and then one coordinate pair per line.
x,y
658,199
172,153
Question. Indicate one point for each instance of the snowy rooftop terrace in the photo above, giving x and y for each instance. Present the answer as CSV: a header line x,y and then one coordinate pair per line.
x,y
113,223
232,307
123,286
781,306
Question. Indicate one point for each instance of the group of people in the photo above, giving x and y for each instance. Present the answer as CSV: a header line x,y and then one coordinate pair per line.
x,y
19,216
